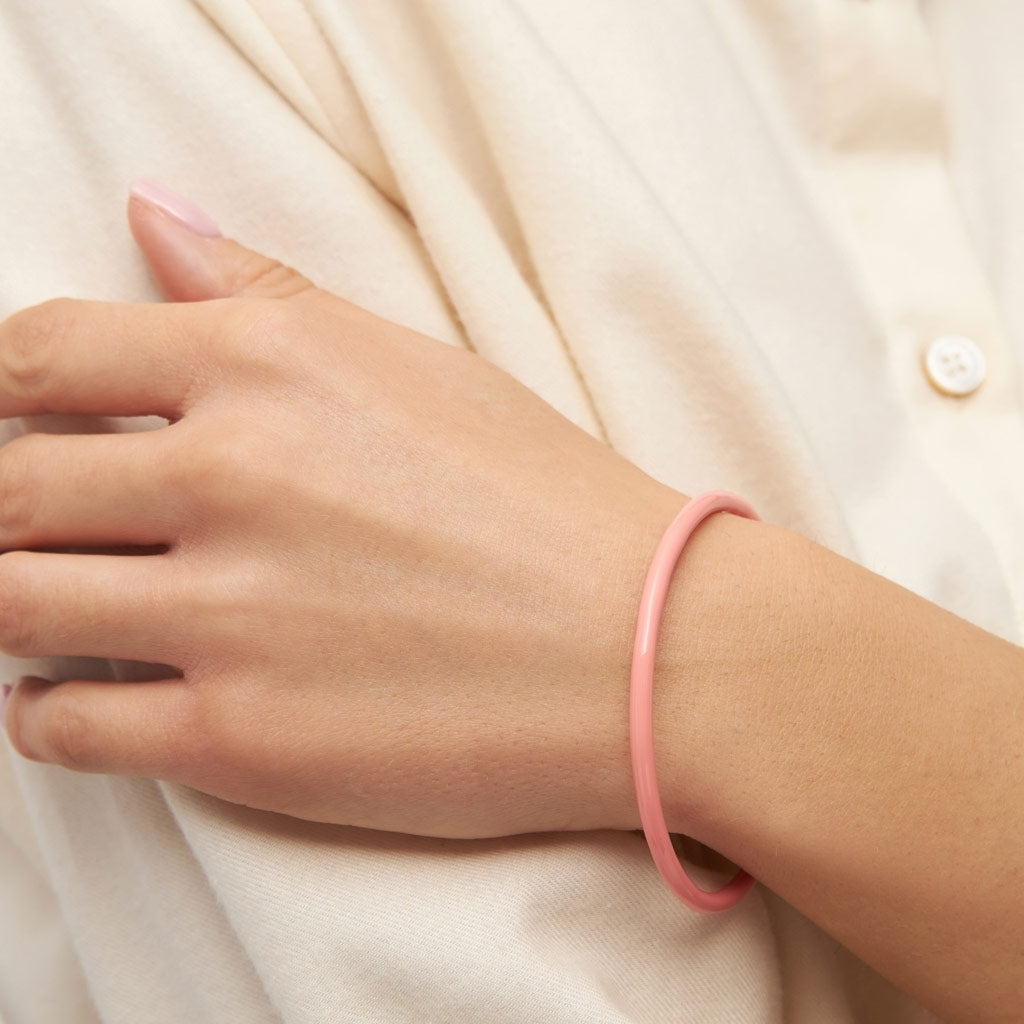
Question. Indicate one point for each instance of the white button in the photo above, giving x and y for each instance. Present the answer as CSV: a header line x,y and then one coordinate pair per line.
x,y
954,364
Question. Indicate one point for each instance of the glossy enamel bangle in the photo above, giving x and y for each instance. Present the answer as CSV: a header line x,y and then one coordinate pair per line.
x,y
641,709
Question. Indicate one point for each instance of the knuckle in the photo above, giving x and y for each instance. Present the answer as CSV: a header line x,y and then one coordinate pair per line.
x,y
30,339
18,625
267,326
264,339
223,743
68,736
269,279
220,471
18,495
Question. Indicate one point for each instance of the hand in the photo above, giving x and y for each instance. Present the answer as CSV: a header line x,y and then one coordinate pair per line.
x,y
399,588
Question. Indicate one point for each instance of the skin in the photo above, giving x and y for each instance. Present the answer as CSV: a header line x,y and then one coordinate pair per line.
x,y
352,650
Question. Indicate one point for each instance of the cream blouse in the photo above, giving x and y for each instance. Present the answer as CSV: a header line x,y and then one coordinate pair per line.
x,y
752,244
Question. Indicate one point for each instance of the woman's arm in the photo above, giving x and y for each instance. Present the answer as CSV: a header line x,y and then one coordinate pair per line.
x,y
400,591
856,748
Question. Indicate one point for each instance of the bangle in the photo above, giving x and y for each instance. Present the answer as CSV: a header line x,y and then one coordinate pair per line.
x,y
641,709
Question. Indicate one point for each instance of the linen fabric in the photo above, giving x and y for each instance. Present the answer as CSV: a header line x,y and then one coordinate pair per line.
x,y
718,235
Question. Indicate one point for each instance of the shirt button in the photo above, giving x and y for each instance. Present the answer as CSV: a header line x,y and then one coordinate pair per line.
x,y
955,365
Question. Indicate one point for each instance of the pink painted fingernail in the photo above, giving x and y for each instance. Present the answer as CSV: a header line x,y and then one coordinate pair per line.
x,y
176,206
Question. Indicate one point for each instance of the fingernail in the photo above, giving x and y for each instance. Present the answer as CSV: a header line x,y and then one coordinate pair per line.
x,y
176,206
8,690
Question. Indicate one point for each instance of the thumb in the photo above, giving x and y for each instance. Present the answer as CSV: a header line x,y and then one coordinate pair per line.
x,y
189,257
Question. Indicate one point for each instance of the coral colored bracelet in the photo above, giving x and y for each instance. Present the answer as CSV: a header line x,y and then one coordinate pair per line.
x,y
641,704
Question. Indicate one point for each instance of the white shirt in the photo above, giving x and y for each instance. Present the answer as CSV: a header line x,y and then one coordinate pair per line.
x,y
723,236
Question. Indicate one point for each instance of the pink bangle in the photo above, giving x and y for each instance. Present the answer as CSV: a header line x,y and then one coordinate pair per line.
x,y
641,709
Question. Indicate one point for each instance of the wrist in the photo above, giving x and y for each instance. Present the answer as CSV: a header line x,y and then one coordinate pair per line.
x,y
605,597
721,637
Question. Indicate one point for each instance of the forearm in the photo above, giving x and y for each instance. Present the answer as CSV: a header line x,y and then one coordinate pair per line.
x,y
858,750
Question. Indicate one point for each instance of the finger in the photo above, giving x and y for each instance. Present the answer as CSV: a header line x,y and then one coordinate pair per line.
x,y
191,260
95,490
104,358
118,728
97,606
